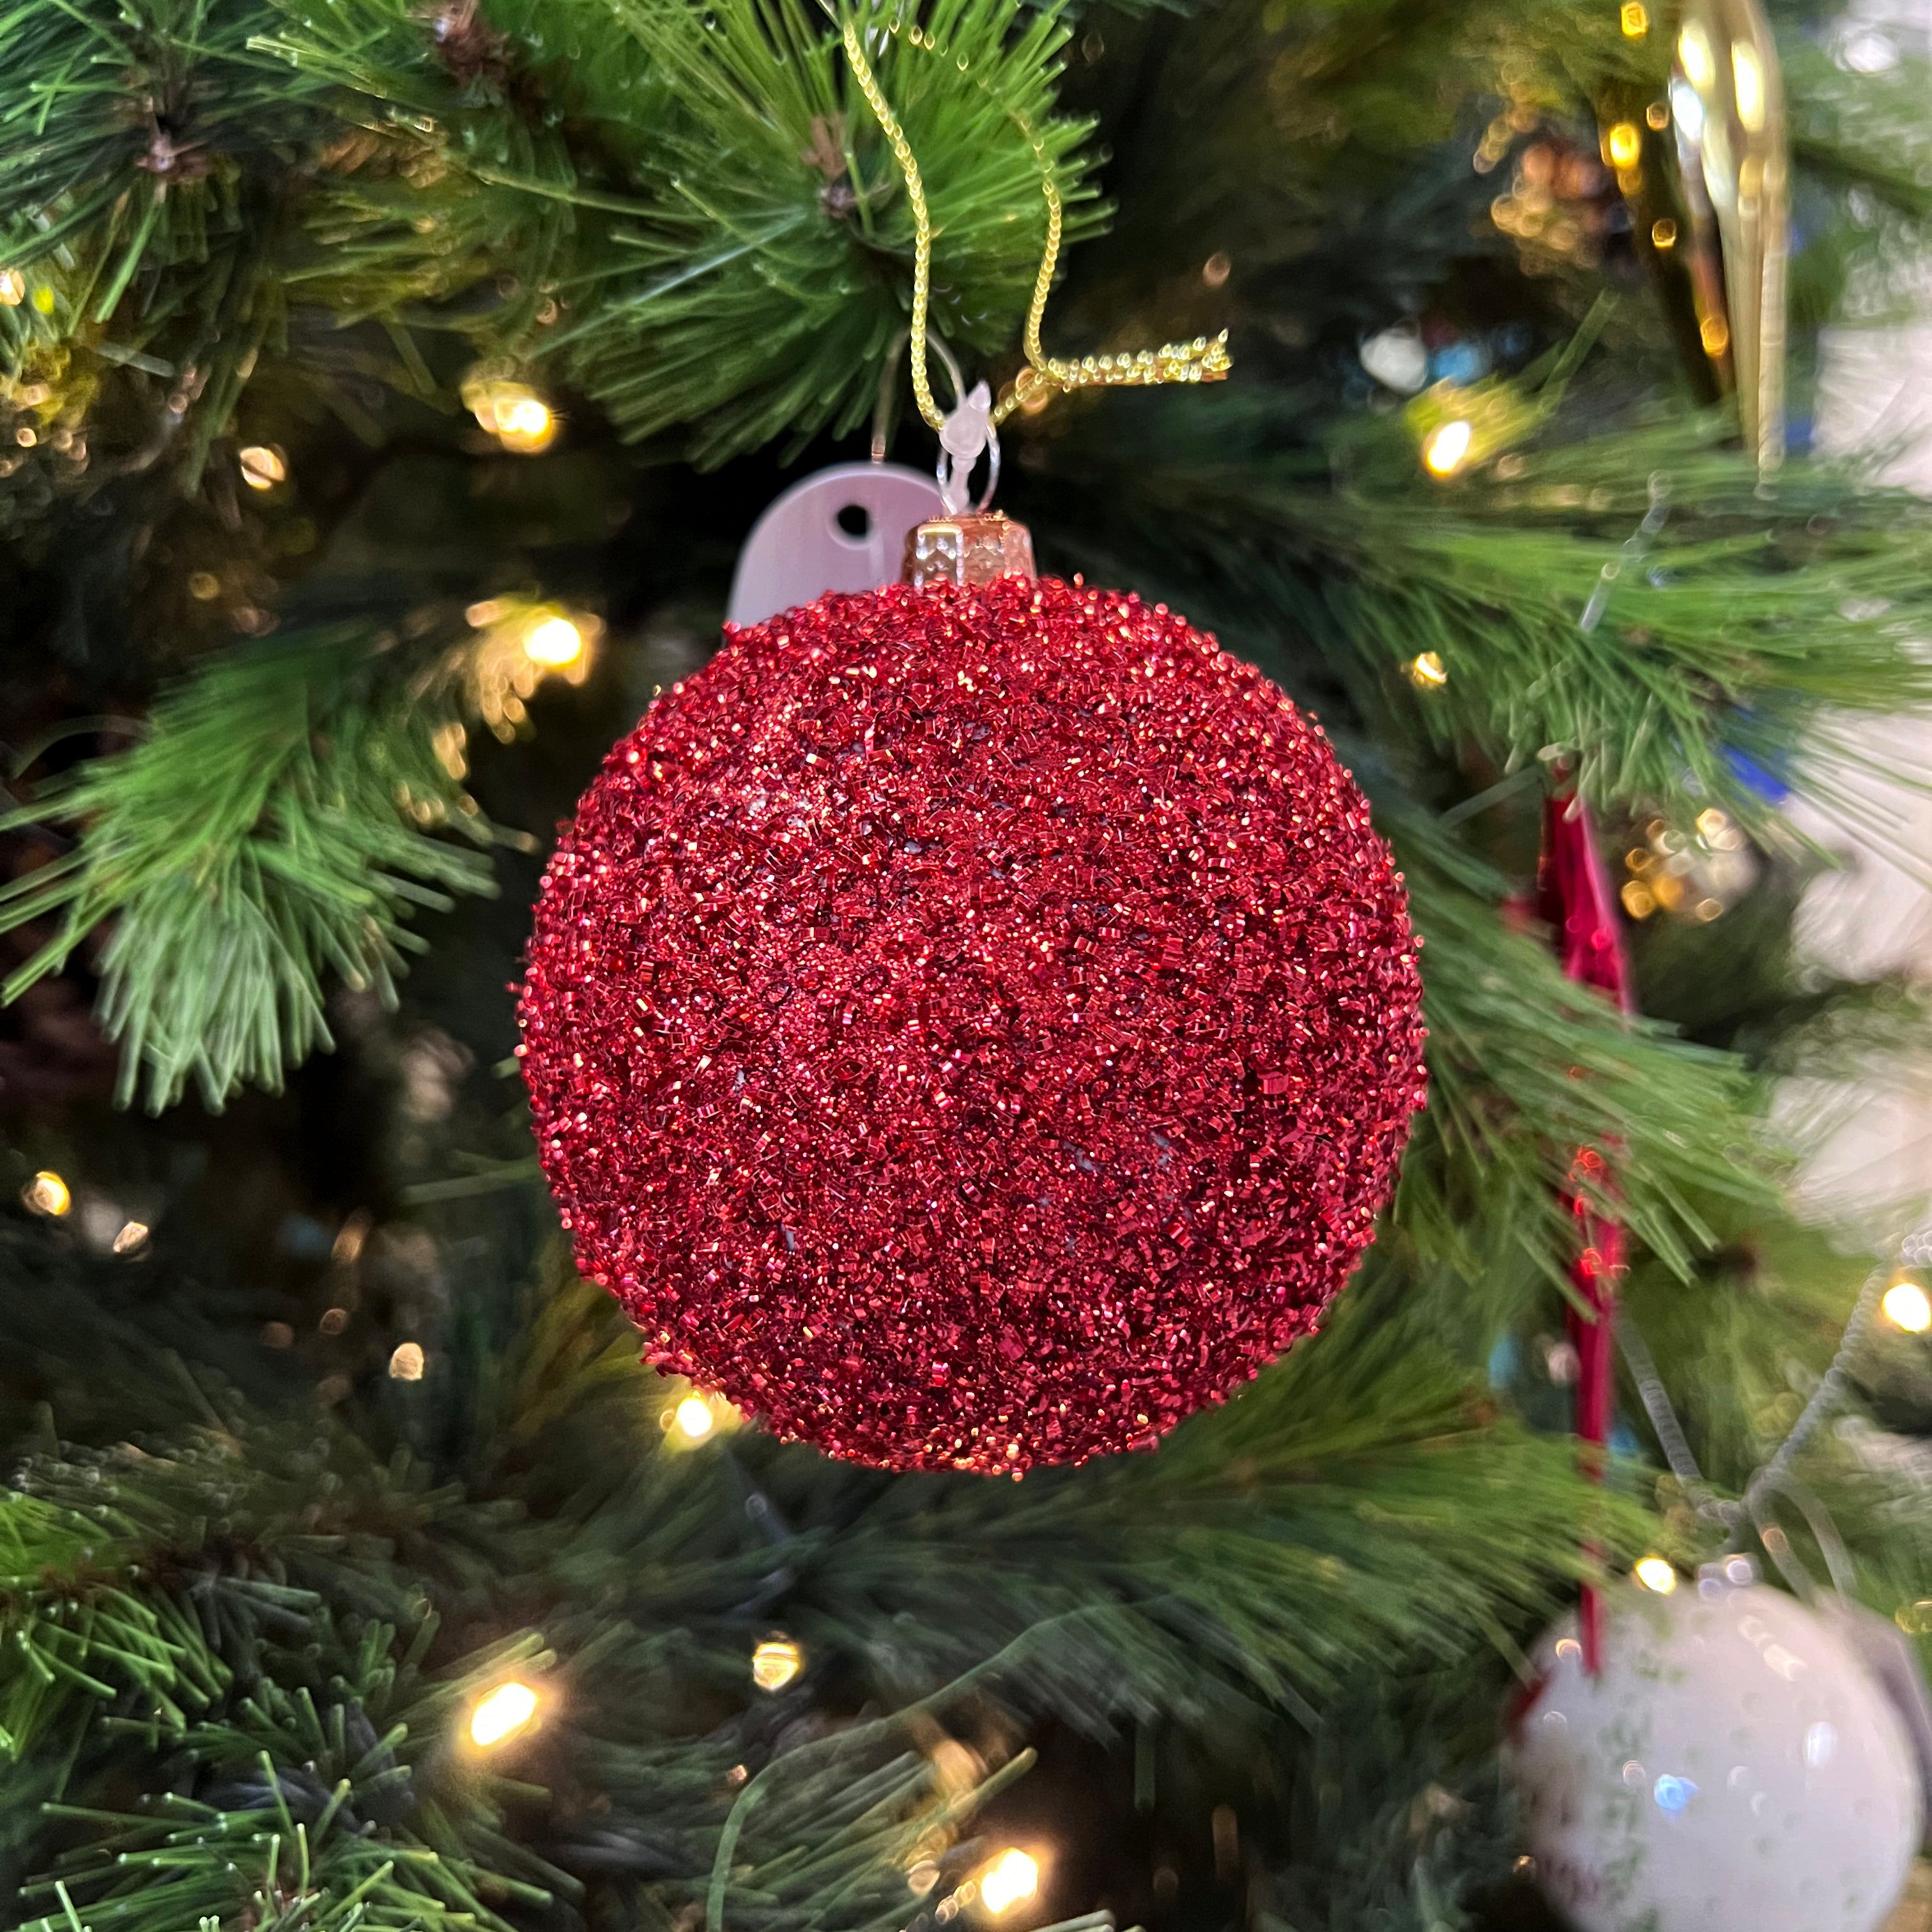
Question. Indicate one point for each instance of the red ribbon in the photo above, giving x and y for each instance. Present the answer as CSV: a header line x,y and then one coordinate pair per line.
x,y
1574,897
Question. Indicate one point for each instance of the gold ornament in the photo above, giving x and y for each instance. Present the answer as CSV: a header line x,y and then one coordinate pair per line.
x,y
1706,173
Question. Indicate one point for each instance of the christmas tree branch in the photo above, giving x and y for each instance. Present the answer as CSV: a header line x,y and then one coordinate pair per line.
x,y
272,826
1525,1068
681,209
334,1768
1753,615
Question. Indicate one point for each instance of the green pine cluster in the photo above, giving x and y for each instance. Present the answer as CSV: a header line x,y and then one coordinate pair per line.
x,y
314,1440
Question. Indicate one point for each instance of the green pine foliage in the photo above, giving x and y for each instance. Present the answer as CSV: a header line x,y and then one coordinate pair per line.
x,y
679,207
250,844
246,1609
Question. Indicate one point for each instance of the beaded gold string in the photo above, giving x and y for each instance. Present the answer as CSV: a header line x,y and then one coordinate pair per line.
x,y
1203,360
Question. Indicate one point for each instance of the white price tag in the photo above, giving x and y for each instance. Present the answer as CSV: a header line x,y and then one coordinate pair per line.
x,y
843,529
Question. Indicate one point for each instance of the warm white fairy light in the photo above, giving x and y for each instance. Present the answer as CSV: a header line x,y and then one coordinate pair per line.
x,y
1013,1876
1657,1573
1445,449
500,1714
262,467
406,1362
131,1238
692,1418
556,642
523,642
46,1193
1622,145
1693,54
1907,1307
512,412
776,1663
1427,671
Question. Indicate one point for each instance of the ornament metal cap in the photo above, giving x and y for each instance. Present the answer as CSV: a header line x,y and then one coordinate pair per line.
x,y
972,548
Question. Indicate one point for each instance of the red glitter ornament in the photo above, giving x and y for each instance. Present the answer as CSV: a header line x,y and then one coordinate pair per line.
x,y
972,1028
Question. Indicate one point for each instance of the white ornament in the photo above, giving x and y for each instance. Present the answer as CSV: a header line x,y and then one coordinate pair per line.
x,y
1735,1768
800,548
1396,358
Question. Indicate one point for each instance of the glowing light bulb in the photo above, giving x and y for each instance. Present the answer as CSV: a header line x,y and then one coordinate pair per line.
x,y
1907,1307
1445,450
555,643
1748,86
1623,144
132,1238
694,1418
513,412
46,1193
1664,233
262,467
12,288
501,1714
406,1364
1715,333
776,1663
527,425
1012,1877
1693,56
1426,673
1657,1573
1634,18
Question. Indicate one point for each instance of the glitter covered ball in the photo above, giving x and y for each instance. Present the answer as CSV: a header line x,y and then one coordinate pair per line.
x,y
971,1028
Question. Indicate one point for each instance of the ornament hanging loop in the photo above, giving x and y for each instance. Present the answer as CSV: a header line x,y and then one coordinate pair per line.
x,y
969,544
964,435
967,434
1760,1500
1203,360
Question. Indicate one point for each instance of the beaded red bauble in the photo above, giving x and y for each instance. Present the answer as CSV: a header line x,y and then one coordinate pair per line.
x,y
971,1028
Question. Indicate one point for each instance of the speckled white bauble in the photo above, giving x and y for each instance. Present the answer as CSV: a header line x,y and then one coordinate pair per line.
x,y
1734,1768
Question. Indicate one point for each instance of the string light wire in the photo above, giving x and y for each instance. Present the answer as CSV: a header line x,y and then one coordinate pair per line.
x,y
1773,1478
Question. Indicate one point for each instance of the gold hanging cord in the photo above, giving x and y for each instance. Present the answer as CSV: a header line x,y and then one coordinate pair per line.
x,y
1203,360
